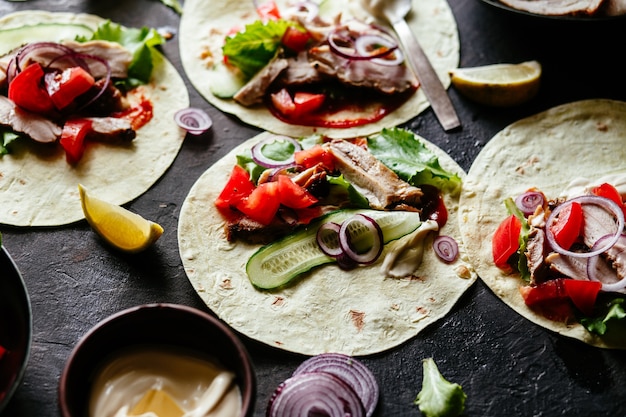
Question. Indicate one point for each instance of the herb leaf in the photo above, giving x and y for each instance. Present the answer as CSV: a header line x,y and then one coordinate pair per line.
x,y
439,397
407,156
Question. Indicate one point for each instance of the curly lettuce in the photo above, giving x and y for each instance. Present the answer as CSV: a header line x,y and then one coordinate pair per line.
x,y
439,397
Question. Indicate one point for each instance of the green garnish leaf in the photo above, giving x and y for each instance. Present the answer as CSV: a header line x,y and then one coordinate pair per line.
x,y
439,397
522,262
174,5
408,157
598,325
139,41
6,137
253,48
339,184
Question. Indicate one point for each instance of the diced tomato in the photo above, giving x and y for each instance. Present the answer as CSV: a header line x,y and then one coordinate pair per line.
x,y
505,241
292,195
27,90
582,293
307,103
73,139
283,102
238,187
549,299
262,203
610,192
63,88
568,225
313,156
295,39
268,11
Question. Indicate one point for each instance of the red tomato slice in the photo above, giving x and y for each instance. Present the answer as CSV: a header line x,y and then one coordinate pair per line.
x,y
505,241
549,299
295,39
313,156
236,189
73,139
610,192
582,293
268,11
262,203
568,225
307,103
63,88
292,195
283,102
27,90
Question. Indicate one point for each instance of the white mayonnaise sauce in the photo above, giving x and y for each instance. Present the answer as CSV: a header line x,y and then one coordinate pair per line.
x,y
161,382
406,254
581,186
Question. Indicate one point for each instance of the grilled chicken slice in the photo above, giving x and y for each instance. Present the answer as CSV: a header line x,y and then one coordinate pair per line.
x,y
118,57
33,125
382,187
111,129
253,91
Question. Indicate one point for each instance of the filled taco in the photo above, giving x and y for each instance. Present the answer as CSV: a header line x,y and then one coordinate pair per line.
x,y
296,68
541,215
345,259
82,100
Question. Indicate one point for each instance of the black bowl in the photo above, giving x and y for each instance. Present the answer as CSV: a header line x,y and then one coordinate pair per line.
x,y
16,327
160,325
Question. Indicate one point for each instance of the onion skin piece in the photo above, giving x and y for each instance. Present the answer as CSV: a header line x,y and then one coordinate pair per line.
x,y
446,248
351,371
314,393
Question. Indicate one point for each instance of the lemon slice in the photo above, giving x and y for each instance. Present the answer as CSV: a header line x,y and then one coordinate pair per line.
x,y
499,85
121,228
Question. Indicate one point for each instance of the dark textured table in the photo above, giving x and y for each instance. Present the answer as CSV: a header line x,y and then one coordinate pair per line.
x,y
506,365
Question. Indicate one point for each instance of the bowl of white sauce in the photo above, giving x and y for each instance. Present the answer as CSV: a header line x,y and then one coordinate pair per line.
x,y
164,360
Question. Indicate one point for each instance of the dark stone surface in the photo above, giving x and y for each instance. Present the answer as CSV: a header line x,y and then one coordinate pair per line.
x,y
506,365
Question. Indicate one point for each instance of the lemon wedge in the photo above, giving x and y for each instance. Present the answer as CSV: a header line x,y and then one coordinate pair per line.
x,y
498,85
121,228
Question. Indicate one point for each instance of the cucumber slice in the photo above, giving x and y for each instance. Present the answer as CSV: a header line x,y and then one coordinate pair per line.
x,y
224,82
50,32
277,263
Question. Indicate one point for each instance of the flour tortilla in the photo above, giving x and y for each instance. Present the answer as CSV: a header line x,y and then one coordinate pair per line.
x,y
39,188
581,139
356,312
205,24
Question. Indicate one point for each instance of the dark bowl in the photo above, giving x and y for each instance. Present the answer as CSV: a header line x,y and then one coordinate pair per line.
x,y
16,327
170,325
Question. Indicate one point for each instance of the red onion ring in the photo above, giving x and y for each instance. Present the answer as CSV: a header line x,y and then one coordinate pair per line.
x,y
446,248
328,239
365,225
593,267
308,10
529,201
351,371
83,58
193,120
262,160
43,48
314,393
345,45
603,202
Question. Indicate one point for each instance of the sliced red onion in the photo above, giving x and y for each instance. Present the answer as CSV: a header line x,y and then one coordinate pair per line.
x,y
328,239
314,394
193,120
529,201
397,59
307,10
358,48
264,161
596,266
446,248
363,45
359,226
84,58
351,371
602,202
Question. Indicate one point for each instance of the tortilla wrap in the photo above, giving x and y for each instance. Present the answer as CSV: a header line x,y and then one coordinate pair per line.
x,y
204,26
39,188
357,312
547,151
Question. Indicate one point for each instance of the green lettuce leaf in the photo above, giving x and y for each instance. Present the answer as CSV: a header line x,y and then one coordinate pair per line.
x,y
251,49
408,157
616,311
6,137
439,397
174,5
139,41
522,262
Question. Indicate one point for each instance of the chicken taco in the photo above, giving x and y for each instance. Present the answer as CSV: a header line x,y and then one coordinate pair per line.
x,y
82,100
296,68
327,245
542,218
